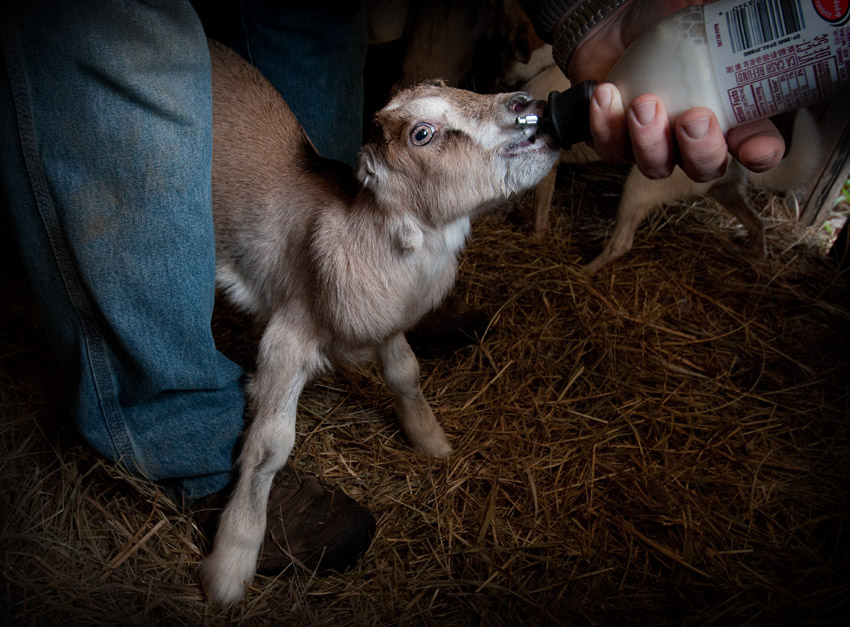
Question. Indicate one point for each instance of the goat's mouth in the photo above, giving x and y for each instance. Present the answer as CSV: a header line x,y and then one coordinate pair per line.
x,y
535,141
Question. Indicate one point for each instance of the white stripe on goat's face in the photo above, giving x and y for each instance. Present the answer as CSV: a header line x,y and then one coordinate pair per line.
x,y
454,153
448,115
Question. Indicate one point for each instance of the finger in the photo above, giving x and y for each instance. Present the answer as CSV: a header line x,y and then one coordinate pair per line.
x,y
608,125
757,145
652,140
702,147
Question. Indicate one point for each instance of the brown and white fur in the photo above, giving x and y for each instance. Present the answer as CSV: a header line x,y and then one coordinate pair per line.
x,y
338,266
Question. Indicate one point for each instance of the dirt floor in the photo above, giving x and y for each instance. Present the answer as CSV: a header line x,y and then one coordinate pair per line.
x,y
664,443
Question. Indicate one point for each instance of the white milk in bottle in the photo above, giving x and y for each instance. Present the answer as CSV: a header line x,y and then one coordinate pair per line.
x,y
744,59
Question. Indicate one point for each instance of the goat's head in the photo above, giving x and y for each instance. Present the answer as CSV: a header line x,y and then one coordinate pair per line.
x,y
448,153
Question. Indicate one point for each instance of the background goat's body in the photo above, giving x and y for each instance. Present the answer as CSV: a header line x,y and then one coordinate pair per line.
x,y
338,268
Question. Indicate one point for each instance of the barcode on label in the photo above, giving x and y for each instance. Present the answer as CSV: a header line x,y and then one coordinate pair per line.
x,y
761,21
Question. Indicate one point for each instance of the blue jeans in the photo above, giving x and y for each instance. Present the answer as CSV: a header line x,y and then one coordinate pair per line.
x,y
313,52
106,144
106,140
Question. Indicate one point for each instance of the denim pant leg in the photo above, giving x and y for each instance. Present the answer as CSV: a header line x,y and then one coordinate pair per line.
x,y
313,52
106,140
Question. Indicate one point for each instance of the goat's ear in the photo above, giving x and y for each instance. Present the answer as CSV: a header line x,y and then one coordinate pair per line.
x,y
406,234
371,168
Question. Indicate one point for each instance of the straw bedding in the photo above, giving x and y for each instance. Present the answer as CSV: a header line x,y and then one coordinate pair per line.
x,y
664,443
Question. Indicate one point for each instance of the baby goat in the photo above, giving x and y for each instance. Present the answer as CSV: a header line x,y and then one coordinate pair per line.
x,y
337,267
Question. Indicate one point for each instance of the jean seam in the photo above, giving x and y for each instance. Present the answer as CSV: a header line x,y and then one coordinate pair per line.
x,y
92,337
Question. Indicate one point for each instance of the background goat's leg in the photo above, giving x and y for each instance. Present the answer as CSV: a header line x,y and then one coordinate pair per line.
x,y
543,202
401,373
629,217
733,196
283,369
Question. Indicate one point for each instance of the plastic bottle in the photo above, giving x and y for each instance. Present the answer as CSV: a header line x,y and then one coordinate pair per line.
x,y
744,59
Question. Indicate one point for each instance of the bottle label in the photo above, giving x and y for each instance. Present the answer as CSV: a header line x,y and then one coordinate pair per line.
x,y
771,56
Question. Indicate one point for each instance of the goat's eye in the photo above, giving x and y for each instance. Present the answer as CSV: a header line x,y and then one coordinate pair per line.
x,y
421,134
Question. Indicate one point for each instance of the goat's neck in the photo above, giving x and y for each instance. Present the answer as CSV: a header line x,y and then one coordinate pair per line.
x,y
409,225
381,268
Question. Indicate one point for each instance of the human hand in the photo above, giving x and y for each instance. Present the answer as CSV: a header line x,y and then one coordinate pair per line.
x,y
640,131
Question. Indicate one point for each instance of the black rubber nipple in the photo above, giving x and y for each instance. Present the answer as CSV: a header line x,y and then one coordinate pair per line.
x,y
567,114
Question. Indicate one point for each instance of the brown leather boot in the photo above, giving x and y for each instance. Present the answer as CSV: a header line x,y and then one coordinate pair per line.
x,y
315,527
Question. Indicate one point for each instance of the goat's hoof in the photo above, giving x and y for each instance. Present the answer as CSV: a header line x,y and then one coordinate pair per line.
x,y
436,445
223,580
591,268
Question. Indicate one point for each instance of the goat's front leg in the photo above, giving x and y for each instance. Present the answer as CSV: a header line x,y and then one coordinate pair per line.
x,y
543,194
401,373
629,217
284,366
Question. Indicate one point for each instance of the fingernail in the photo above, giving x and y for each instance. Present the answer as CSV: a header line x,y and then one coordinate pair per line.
x,y
603,95
645,112
762,161
697,129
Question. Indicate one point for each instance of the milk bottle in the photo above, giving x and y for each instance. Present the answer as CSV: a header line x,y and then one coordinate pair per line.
x,y
744,59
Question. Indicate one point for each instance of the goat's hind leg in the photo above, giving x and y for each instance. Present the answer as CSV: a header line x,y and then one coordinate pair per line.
x,y
401,373
282,371
733,196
